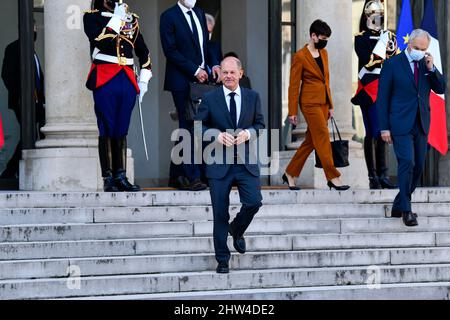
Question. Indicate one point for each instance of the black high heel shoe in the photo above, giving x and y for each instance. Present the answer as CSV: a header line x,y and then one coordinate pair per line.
x,y
338,188
285,180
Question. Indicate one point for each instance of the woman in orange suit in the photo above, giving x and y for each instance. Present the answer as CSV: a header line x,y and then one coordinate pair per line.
x,y
310,70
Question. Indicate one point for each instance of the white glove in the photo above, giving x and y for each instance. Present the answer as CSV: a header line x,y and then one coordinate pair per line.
x,y
143,88
120,15
144,78
384,37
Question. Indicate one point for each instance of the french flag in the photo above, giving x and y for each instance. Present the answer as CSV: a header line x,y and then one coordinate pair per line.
x,y
438,137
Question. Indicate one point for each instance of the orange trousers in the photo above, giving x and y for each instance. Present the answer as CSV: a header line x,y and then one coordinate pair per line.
x,y
317,138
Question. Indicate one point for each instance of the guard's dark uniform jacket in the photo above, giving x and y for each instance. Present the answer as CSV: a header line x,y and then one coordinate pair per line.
x,y
365,43
112,52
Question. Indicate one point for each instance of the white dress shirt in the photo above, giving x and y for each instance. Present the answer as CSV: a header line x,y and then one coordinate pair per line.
x,y
238,100
411,61
199,29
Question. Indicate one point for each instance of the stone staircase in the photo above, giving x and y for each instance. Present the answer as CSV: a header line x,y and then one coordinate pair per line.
x,y
311,244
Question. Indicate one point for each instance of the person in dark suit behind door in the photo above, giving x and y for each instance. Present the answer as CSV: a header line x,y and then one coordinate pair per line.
x,y
215,48
404,114
12,80
184,39
233,115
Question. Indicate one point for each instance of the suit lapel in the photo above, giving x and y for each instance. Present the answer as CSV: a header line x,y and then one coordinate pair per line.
x,y
407,67
203,30
186,25
313,62
244,106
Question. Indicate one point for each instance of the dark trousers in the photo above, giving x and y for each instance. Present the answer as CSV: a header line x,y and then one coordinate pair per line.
x,y
249,188
189,170
114,104
410,150
370,118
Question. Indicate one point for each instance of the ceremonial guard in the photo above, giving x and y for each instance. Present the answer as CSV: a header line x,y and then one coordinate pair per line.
x,y
373,45
114,34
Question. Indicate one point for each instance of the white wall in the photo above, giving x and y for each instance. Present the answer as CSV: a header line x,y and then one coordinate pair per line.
x,y
245,31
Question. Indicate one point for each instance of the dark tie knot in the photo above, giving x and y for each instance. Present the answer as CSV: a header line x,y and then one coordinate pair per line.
x,y
232,94
189,12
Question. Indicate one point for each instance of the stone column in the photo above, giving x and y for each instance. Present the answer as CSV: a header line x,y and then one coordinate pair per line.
x,y
444,161
338,14
67,159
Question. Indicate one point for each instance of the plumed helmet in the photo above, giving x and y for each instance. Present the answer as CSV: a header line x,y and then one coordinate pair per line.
x,y
374,7
98,4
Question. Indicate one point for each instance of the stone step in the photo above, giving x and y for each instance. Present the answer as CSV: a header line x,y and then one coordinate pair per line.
x,y
402,291
175,284
198,213
60,268
61,232
202,198
102,248
112,231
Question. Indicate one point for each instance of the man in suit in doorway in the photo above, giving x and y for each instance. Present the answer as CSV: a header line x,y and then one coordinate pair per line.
x,y
233,116
184,39
12,80
404,114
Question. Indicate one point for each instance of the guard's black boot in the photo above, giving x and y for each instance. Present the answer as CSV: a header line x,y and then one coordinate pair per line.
x,y
382,168
370,162
105,155
119,147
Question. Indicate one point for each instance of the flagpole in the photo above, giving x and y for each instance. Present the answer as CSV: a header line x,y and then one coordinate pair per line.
x,y
386,16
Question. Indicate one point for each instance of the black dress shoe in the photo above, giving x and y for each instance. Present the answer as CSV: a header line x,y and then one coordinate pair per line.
x,y
123,184
338,188
285,180
109,185
374,183
180,183
223,267
385,183
238,241
197,185
399,214
409,219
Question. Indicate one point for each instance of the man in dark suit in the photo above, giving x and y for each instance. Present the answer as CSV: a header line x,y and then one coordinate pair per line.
x,y
11,78
232,115
404,114
215,49
184,39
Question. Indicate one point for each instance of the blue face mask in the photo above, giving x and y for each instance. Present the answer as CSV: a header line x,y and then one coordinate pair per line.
x,y
417,55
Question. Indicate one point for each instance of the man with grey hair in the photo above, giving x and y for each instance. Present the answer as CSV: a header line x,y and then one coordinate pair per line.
x,y
404,114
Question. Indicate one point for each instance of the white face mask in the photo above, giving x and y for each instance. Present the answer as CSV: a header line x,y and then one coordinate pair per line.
x,y
417,55
190,3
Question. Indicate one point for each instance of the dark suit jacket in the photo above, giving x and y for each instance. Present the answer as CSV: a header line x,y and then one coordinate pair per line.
x,y
399,98
215,52
214,114
182,54
11,78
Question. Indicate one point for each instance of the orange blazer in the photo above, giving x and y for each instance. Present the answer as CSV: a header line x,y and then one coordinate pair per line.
x,y
315,86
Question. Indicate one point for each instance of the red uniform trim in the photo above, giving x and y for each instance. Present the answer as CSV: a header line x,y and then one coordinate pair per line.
x,y
105,72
